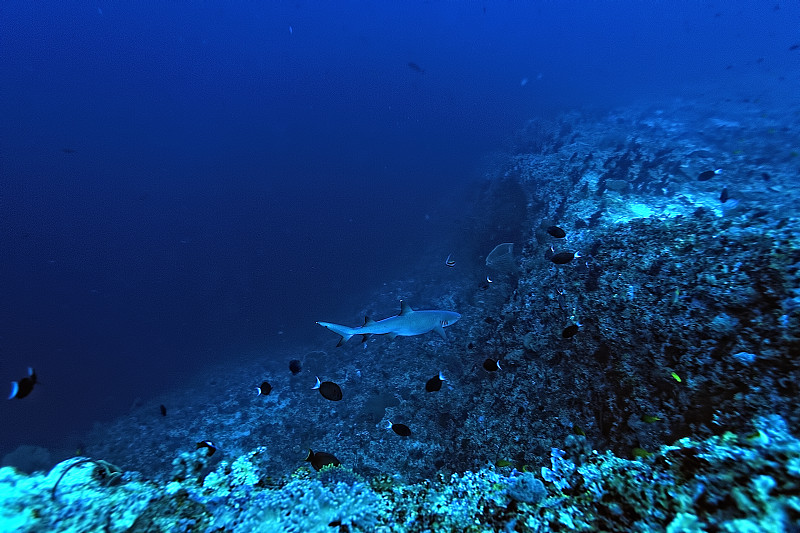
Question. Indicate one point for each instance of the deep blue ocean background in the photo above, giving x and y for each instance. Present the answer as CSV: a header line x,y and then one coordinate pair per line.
x,y
182,183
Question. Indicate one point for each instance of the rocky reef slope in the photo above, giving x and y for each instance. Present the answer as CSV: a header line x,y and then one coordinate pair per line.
x,y
650,382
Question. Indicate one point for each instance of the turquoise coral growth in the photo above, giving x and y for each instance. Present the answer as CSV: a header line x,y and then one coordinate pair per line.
x,y
726,483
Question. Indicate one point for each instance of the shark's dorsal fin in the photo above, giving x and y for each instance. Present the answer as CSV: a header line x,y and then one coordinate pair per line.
x,y
368,321
405,309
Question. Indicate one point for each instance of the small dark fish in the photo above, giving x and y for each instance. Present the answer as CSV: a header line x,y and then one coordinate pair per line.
x,y
602,354
708,174
491,365
556,232
23,387
295,367
401,429
435,383
795,46
329,390
207,444
416,68
723,196
163,409
69,151
570,331
562,258
264,389
765,176
320,459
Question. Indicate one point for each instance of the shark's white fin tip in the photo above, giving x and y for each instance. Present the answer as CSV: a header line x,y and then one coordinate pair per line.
x,y
405,308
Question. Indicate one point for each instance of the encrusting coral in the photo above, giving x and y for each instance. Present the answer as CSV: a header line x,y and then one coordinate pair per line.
x,y
688,486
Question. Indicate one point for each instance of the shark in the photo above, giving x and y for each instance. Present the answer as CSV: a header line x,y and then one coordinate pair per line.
x,y
408,323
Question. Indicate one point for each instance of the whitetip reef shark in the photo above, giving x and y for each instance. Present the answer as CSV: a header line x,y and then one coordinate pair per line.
x,y
406,324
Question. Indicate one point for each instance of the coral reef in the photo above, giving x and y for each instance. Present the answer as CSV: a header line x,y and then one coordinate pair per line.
x,y
683,304
729,482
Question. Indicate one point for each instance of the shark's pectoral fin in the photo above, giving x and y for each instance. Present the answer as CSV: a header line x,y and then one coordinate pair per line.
x,y
440,330
391,335
365,337
343,339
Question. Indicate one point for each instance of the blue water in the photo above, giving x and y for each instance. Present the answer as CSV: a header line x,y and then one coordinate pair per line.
x,y
181,182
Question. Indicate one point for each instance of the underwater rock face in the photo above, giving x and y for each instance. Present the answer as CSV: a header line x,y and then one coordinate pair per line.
x,y
687,321
28,459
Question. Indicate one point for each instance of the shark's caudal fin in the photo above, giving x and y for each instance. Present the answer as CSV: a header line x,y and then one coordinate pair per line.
x,y
342,331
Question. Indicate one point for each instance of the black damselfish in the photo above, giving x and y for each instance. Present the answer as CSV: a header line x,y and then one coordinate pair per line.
x,y
556,232
320,459
329,390
491,365
295,367
401,429
562,258
264,389
570,331
708,174
435,383
23,387
208,445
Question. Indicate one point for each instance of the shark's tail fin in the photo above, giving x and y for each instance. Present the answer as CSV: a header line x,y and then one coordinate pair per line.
x,y
343,331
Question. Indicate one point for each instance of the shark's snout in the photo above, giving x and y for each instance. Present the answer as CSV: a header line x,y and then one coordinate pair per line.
x,y
450,318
